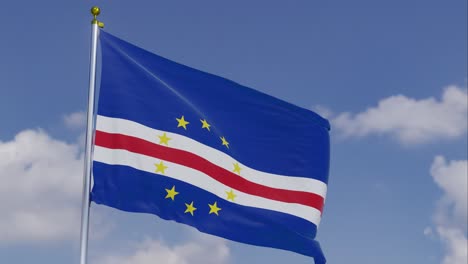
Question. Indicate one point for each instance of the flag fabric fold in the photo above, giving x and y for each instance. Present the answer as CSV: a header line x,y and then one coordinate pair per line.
x,y
204,151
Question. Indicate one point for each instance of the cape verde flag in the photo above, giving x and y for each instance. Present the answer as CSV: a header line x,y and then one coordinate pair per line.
x,y
204,151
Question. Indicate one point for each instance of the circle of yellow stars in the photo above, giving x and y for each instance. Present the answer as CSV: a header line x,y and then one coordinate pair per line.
x,y
171,193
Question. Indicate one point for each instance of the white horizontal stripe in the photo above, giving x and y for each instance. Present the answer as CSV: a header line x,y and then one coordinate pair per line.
x,y
203,181
130,128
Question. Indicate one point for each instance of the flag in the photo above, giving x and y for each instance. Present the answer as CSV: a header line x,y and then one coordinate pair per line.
x,y
204,151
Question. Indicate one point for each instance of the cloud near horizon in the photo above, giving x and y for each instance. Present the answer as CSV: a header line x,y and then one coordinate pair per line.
x,y
202,249
41,187
450,216
410,120
75,120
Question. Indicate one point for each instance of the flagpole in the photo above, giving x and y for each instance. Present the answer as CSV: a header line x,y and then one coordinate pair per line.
x,y
95,11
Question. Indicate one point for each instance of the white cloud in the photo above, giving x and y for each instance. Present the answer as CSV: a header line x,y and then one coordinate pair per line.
x,y
40,188
452,178
411,120
202,250
450,216
323,111
456,244
76,120
428,232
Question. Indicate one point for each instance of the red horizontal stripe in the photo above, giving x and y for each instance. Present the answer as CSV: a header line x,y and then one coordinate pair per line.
x,y
188,159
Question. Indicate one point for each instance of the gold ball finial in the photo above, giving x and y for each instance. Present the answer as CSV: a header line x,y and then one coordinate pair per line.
x,y
95,11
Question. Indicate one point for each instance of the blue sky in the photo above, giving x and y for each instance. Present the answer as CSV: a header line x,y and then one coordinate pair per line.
x,y
390,75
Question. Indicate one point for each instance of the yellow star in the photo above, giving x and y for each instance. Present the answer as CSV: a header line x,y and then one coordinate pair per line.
x,y
182,122
190,208
237,168
160,167
225,143
230,195
164,139
214,209
171,193
205,124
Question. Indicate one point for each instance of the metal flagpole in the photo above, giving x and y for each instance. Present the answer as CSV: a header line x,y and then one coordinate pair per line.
x,y
95,11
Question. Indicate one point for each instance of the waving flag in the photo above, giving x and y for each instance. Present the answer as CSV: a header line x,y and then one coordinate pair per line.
x,y
201,150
